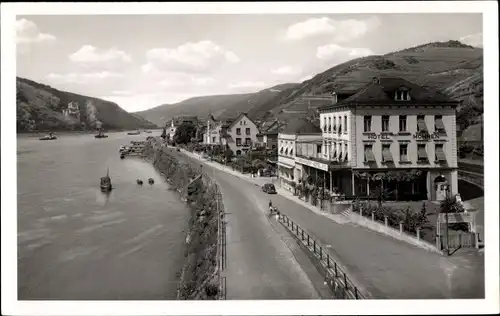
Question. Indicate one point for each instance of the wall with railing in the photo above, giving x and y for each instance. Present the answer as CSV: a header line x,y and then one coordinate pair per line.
x,y
336,279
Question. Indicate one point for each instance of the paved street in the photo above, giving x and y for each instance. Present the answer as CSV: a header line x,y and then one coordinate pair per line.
x,y
262,263
386,268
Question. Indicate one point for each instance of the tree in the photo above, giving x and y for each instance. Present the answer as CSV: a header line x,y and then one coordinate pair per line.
x,y
184,133
228,155
164,134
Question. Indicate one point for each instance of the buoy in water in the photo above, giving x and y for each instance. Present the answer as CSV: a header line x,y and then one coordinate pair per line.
x,y
122,156
139,181
151,181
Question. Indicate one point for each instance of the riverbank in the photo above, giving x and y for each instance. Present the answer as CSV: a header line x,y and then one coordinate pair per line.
x,y
81,132
199,275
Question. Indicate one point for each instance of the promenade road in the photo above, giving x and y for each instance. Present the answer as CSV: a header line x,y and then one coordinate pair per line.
x,y
383,266
261,260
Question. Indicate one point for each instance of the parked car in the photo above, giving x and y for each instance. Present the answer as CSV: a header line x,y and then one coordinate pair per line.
x,y
269,188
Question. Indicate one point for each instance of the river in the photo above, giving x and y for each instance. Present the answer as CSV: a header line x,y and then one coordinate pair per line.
x,y
77,243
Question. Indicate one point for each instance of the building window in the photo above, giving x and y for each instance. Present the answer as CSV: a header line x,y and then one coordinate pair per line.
x,y
438,124
421,127
324,125
422,153
386,153
281,150
440,155
238,152
369,156
345,123
318,149
385,123
367,123
238,141
213,139
238,131
334,124
286,151
291,151
402,123
402,95
247,131
248,141
329,124
334,150
403,152
346,150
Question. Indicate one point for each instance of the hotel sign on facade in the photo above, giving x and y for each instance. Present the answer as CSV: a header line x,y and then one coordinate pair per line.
x,y
417,136
313,164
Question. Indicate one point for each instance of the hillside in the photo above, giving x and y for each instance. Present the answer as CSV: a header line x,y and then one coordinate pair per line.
x,y
43,108
451,68
223,106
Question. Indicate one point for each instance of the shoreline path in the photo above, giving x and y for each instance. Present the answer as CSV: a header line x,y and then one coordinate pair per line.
x,y
383,266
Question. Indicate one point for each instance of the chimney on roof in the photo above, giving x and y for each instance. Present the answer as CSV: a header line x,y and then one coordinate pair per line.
x,y
376,80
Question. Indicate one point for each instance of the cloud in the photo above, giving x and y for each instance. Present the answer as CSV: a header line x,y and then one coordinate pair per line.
x,y
179,80
336,30
27,32
286,71
338,54
305,78
475,40
89,55
198,57
247,86
82,78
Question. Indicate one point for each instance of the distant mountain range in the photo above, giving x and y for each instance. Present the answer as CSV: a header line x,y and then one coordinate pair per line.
x,y
452,68
224,106
43,108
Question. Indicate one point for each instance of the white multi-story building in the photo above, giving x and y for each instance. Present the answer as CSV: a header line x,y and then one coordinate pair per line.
x,y
391,134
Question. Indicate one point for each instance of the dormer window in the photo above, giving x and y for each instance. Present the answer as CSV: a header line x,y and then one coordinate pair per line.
x,y
402,94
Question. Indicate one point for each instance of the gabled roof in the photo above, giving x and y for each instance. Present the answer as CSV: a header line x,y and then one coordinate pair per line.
x,y
300,126
238,118
382,91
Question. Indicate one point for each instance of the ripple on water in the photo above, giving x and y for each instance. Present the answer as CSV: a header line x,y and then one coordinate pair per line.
x,y
75,252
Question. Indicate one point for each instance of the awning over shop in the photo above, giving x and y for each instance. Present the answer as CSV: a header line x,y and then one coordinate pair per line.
x,y
284,165
440,155
369,156
386,155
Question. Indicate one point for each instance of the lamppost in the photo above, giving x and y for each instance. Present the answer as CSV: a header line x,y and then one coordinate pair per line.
x,y
447,188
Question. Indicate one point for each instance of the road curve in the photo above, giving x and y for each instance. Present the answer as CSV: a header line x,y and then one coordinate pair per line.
x,y
385,267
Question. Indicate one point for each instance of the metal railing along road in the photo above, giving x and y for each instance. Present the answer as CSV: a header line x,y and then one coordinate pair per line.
x,y
336,279
474,178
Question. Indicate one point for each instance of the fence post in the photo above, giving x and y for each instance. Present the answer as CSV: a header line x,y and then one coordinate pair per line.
x,y
385,220
400,227
345,281
328,260
307,240
297,228
336,271
320,253
418,233
356,292
302,234
373,216
314,245
292,226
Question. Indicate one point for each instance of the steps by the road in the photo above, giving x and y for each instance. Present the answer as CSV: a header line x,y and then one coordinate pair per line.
x,y
346,212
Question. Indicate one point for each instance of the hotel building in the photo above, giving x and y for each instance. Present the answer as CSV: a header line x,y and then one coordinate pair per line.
x,y
391,134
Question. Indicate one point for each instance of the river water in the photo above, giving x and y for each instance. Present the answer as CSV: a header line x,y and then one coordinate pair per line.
x,y
77,243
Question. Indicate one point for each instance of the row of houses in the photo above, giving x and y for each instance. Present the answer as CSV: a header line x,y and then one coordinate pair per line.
x,y
390,126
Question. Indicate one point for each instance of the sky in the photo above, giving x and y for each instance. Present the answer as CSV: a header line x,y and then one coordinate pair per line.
x,y
142,61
